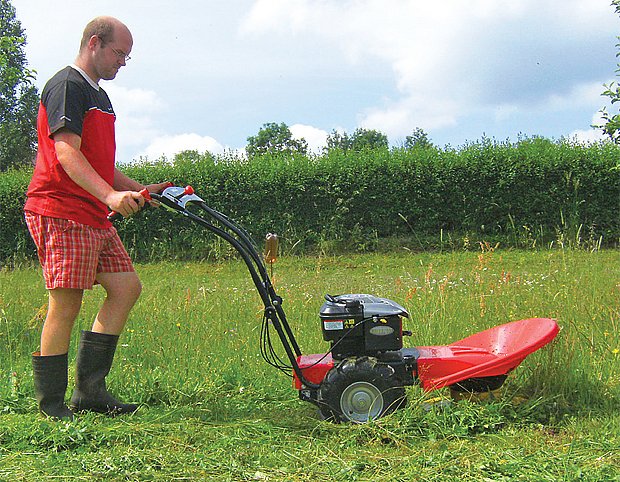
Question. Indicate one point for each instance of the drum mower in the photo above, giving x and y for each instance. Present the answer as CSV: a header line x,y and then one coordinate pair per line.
x,y
364,373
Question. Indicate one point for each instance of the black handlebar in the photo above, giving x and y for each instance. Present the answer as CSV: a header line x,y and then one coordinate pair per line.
x,y
180,199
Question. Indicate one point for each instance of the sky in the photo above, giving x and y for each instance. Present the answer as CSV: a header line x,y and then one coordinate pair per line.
x,y
208,74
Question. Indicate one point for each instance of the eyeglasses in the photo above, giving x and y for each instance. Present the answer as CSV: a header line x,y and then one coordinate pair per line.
x,y
120,54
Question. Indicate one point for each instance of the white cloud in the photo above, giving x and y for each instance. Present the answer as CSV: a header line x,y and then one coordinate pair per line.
x,y
591,135
580,95
455,68
422,42
316,138
449,58
587,136
169,145
401,117
270,14
132,101
137,112
585,96
136,117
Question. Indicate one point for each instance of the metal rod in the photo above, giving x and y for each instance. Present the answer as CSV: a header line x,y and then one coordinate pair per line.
x,y
245,247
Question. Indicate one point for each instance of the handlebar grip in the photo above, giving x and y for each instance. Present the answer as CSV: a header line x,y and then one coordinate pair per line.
x,y
114,216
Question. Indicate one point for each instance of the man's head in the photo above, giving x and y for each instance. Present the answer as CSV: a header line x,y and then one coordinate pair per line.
x,y
105,47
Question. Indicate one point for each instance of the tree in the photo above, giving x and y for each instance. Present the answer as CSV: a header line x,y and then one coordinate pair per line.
x,y
368,139
18,96
418,140
611,123
336,140
360,140
275,138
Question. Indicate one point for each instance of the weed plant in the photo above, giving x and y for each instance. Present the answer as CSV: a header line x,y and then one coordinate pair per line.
x,y
211,409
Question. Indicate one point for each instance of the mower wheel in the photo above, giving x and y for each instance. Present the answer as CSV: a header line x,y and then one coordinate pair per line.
x,y
359,390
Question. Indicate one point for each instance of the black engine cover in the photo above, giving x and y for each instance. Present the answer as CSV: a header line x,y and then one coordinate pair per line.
x,y
360,324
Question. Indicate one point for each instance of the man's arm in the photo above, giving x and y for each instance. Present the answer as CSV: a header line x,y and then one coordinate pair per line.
x,y
123,182
77,167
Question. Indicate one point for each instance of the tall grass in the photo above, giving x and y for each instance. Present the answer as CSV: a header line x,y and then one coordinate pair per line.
x,y
213,410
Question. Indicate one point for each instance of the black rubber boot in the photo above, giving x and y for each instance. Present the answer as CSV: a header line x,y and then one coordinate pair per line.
x,y
50,385
94,360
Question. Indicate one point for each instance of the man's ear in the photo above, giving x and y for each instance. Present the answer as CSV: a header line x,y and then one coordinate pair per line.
x,y
93,41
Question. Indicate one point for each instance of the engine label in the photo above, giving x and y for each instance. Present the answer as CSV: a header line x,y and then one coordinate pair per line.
x,y
333,325
381,330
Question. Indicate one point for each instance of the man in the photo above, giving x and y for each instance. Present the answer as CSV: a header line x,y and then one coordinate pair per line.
x,y
75,183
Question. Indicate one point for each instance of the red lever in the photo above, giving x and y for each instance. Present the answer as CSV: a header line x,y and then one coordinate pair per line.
x,y
188,190
146,194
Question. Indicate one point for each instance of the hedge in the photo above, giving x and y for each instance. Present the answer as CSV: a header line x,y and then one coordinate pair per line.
x,y
534,192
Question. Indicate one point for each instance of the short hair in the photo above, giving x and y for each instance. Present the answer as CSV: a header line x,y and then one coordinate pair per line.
x,y
102,27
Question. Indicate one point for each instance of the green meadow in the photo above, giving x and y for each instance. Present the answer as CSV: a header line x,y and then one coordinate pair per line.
x,y
211,409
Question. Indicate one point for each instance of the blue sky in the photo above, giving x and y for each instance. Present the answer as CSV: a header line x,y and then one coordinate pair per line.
x,y
207,74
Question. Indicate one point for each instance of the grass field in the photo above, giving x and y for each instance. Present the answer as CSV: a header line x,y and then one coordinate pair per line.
x,y
213,410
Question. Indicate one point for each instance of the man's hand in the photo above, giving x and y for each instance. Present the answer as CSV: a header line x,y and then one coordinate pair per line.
x,y
159,187
125,203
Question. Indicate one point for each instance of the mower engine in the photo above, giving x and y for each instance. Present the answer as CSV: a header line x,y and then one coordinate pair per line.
x,y
359,324
364,373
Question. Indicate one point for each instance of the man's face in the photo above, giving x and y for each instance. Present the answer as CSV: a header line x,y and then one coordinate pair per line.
x,y
111,56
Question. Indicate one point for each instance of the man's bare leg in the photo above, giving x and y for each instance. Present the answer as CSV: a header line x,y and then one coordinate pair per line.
x,y
63,308
123,290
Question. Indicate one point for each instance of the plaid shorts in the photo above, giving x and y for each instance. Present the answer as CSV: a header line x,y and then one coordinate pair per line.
x,y
72,254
